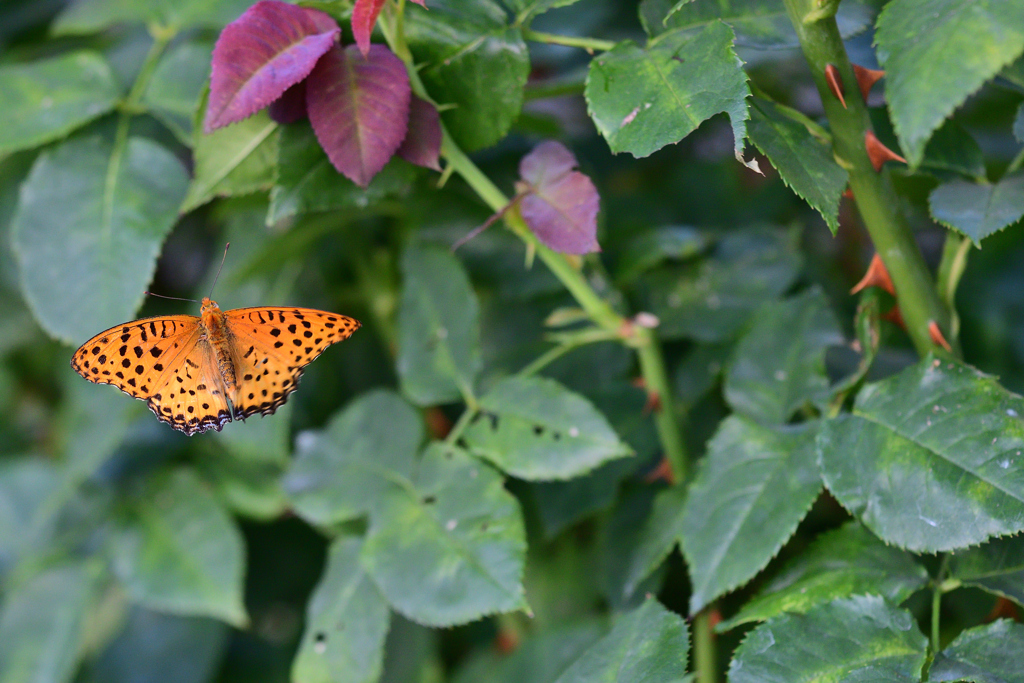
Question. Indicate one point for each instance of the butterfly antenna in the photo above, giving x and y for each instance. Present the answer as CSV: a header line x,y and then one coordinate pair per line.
x,y
222,259
173,298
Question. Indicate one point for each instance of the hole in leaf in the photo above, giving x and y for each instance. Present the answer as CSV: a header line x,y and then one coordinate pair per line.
x,y
538,430
556,435
429,500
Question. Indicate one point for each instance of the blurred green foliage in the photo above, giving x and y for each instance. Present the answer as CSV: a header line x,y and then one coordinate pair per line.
x,y
474,487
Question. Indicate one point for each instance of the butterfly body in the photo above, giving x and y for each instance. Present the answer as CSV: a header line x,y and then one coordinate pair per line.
x,y
199,373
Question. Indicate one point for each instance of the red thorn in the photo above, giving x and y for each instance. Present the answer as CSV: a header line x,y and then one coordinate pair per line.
x,y
438,423
895,317
866,78
879,153
1003,609
848,192
714,617
876,276
653,404
506,641
835,83
662,472
936,334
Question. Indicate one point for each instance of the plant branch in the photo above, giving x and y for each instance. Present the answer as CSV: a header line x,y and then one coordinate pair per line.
x,y
704,647
591,45
937,589
873,191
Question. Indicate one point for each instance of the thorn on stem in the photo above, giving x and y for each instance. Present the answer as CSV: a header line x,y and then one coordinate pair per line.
x,y
848,192
835,83
936,334
866,78
879,153
895,317
663,472
876,276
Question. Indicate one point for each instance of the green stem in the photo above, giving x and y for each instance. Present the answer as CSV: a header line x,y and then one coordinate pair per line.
x,y
589,44
666,416
127,108
937,603
652,362
704,647
951,268
873,191
460,426
553,88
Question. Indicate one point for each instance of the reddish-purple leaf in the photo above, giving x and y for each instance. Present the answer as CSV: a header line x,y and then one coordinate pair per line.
x,y
364,17
558,203
268,49
359,108
291,106
422,144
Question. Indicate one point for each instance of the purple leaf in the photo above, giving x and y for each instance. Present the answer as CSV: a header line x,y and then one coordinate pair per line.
x,y
359,108
422,143
558,203
268,49
291,106
364,16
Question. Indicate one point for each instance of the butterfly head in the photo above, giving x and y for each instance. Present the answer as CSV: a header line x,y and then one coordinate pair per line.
x,y
208,306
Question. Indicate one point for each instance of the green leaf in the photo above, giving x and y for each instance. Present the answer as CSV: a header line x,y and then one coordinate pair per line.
x,y
758,23
410,652
474,59
250,458
620,535
751,490
938,52
996,566
449,547
178,649
713,299
561,504
534,428
699,371
346,623
438,328
661,532
540,658
804,163
642,99
862,638
983,654
176,87
778,366
89,227
306,181
648,644
953,152
236,160
43,626
840,563
90,16
978,209
338,474
178,551
930,460
47,99
657,246
25,485
526,10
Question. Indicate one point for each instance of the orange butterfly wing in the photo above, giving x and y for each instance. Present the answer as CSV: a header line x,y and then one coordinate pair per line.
x,y
165,362
272,346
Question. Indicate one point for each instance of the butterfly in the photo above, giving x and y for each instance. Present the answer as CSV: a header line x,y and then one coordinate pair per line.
x,y
199,373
